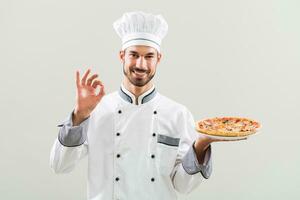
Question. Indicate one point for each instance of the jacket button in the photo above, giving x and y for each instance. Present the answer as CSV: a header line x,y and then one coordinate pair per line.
x,y
118,155
152,179
155,112
120,111
117,179
152,156
117,134
153,134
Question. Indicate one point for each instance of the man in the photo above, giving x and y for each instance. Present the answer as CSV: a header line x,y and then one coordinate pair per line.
x,y
140,144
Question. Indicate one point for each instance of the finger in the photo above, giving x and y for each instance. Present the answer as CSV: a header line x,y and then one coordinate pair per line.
x,y
83,80
95,83
77,78
102,92
90,80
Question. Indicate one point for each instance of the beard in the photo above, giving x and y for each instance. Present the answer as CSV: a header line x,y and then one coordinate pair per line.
x,y
138,82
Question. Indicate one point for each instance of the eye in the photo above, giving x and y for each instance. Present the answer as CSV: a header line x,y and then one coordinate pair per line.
x,y
133,55
149,57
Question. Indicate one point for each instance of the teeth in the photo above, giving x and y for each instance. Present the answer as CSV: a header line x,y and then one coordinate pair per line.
x,y
138,72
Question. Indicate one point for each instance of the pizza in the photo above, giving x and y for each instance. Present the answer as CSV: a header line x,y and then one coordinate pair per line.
x,y
228,126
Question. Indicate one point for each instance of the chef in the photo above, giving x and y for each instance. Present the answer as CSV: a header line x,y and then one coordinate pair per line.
x,y
140,144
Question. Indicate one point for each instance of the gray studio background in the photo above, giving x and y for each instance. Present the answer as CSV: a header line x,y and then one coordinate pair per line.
x,y
231,57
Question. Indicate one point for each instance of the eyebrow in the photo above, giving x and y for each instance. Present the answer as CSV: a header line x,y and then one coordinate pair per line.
x,y
148,54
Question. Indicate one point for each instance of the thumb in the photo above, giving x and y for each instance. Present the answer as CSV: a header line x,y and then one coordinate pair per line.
x,y
101,92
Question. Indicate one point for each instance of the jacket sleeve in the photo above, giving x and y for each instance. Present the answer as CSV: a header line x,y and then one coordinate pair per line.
x,y
70,146
188,172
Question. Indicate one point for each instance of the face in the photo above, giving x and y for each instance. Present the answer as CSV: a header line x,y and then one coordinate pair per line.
x,y
139,64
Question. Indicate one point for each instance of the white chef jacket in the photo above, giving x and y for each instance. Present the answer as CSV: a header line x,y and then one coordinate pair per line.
x,y
138,149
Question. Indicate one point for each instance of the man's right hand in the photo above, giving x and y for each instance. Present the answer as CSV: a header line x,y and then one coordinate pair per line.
x,y
87,96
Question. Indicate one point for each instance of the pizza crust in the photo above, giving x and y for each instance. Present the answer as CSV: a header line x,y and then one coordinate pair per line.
x,y
216,126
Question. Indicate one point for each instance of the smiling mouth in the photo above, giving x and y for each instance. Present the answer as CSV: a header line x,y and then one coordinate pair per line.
x,y
139,73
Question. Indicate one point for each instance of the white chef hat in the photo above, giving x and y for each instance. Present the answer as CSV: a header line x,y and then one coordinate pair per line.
x,y
139,28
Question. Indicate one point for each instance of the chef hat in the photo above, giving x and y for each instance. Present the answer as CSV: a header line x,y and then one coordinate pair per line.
x,y
139,28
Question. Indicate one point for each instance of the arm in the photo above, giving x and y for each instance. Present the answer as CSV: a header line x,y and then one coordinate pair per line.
x,y
194,158
71,144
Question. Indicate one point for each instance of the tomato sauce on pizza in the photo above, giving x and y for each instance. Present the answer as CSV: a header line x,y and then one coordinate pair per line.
x,y
228,126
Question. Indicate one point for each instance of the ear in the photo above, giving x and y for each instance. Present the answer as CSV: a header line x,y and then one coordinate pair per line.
x,y
159,55
122,56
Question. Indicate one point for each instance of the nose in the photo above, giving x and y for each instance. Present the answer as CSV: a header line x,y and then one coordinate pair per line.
x,y
141,62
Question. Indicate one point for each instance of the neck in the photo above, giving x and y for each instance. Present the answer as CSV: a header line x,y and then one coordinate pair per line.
x,y
137,91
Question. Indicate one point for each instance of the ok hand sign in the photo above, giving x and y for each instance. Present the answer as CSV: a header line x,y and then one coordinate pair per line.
x,y
87,96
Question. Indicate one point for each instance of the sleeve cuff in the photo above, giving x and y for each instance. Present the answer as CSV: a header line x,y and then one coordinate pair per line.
x,y
72,136
191,165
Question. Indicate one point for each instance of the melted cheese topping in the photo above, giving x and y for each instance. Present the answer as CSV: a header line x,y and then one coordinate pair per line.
x,y
229,124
